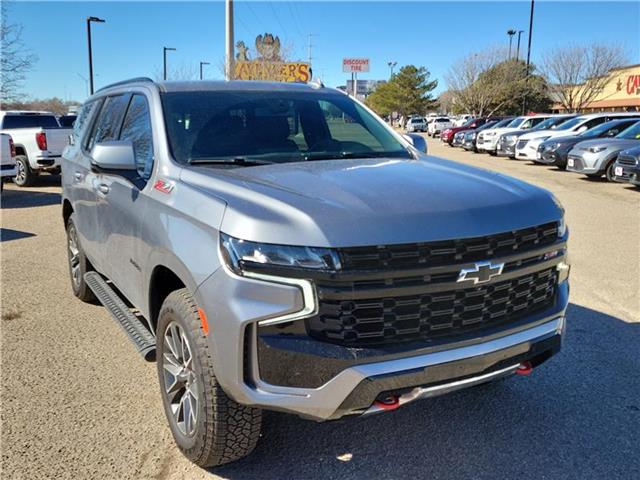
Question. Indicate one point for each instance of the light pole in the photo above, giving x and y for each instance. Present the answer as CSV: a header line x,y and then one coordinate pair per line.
x,y
86,81
89,20
511,33
520,32
164,58
201,64
526,78
391,67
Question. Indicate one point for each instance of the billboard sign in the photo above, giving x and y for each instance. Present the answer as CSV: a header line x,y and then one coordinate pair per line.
x,y
355,65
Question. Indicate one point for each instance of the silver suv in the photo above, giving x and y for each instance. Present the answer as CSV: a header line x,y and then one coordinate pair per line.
x,y
277,246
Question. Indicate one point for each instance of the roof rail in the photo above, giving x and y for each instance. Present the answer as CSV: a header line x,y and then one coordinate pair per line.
x,y
124,82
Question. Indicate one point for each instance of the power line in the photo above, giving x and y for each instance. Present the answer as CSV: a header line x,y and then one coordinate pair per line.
x,y
284,31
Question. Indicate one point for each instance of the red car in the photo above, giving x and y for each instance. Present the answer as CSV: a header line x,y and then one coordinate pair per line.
x,y
448,134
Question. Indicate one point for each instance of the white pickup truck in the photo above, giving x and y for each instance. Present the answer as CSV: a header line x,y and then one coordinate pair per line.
x,y
38,140
7,158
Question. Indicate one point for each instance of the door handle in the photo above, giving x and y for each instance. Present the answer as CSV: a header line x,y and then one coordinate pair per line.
x,y
103,188
77,176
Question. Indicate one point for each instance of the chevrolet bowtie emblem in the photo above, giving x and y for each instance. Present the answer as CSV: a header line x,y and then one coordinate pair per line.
x,y
481,272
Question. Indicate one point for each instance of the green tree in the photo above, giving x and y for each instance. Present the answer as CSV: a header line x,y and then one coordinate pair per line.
x,y
408,91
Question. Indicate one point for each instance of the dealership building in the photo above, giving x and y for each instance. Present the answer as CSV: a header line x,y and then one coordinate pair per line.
x,y
620,94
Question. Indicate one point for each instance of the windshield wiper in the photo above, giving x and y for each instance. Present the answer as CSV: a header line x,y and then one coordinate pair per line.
x,y
241,161
349,155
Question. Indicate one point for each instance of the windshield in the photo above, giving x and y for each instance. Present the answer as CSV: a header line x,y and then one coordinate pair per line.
x,y
487,125
551,123
516,122
604,128
571,123
417,120
631,133
273,126
502,123
30,121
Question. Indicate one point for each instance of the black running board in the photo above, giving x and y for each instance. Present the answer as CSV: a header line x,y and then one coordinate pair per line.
x,y
139,335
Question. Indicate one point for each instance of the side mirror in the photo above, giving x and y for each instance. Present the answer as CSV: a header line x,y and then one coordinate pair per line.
x,y
581,129
114,155
418,141
612,133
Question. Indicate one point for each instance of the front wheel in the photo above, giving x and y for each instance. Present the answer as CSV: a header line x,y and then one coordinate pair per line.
x,y
609,172
209,427
25,177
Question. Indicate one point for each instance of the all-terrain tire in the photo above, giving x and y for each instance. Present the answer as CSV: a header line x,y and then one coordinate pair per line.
x,y
78,264
224,430
25,176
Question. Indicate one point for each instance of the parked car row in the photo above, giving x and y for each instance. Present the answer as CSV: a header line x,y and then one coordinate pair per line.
x,y
593,144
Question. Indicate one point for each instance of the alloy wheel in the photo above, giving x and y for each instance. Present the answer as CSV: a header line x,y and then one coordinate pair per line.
x,y
180,382
21,174
74,257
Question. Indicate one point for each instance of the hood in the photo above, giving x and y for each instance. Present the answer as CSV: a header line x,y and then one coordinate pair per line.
x,y
341,203
546,133
503,130
609,143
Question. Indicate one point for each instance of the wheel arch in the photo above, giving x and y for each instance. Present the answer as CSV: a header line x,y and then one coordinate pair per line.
x,y
20,150
67,210
162,281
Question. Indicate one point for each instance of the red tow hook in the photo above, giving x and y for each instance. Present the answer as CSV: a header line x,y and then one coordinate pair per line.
x,y
524,368
388,403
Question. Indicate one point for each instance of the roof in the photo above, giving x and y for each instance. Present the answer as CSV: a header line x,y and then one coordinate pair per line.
x,y
235,85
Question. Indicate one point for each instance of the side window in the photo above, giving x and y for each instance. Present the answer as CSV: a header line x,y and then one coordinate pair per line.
x,y
137,128
85,115
108,124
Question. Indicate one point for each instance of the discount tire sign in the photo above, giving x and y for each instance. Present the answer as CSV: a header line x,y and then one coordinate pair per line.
x,y
355,65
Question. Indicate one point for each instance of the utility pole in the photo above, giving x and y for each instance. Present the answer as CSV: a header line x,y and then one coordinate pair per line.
x,y
309,47
86,82
164,60
229,57
518,47
511,33
201,64
89,20
526,78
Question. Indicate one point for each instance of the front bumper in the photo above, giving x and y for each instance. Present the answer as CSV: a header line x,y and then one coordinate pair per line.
x,y
627,174
331,381
505,150
585,162
486,144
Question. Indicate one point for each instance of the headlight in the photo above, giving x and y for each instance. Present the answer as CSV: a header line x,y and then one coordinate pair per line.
x,y
552,146
241,254
596,149
509,139
473,135
562,225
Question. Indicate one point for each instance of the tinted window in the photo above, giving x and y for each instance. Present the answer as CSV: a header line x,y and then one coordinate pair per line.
x,y
571,123
107,126
137,128
85,115
594,122
30,121
631,133
67,120
275,126
502,123
516,122
442,120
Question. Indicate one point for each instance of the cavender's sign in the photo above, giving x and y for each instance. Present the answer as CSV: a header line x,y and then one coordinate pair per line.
x,y
274,71
269,64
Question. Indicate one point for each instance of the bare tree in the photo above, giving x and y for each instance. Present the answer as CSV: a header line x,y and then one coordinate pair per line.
x,y
578,73
184,71
15,61
468,94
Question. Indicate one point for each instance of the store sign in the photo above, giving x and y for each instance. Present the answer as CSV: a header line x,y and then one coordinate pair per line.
x,y
633,85
355,65
269,64
273,71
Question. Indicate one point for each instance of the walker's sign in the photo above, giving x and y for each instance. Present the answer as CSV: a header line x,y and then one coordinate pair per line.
x,y
633,84
355,65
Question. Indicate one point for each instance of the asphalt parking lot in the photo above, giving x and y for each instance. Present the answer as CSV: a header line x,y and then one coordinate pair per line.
x,y
78,402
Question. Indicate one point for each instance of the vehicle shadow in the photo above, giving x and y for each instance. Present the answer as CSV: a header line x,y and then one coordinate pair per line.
x,y
28,198
578,416
7,234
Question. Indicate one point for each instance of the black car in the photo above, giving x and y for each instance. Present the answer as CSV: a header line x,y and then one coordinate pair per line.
x,y
469,139
627,167
556,150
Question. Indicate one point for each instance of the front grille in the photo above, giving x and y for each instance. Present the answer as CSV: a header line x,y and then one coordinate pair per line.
x,y
522,144
447,252
624,160
433,315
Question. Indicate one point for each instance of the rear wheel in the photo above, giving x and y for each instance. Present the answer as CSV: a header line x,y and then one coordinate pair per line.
x,y
209,427
25,177
78,264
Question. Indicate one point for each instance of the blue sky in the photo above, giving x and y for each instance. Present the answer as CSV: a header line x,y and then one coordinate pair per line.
x,y
431,34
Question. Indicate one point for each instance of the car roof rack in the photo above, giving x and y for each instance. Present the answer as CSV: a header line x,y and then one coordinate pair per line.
x,y
125,82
